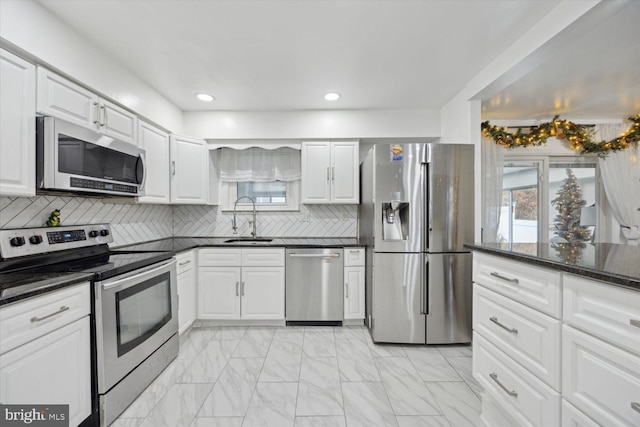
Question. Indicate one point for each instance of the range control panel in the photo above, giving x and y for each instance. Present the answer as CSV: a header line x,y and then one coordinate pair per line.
x,y
32,241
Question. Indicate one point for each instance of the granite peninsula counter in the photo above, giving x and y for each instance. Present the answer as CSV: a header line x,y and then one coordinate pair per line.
x,y
608,262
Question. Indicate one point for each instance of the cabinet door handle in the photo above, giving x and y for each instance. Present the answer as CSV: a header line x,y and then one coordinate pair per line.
x,y
96,120
104,116
237,291
494,377
242,287
328,173
635,322
333,173
495,320
346,288
184,263
38,319
173,167
635,406
499,276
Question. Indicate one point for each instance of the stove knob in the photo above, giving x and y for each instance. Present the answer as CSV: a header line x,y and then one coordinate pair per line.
x,y
93,233
35,239
16,241
104,232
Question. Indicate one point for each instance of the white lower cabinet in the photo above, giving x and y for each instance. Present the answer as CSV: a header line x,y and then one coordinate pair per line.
x,y
600,379
262,294
573,417
353,293
354,284
522,395
54,366
578,368
241,284
186,276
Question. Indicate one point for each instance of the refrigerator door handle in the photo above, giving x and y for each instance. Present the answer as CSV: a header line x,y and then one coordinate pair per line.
x,y
427,286
426,212
423,283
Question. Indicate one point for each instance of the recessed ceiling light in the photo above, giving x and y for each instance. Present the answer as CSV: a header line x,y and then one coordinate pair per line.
x,y
331,96
205,97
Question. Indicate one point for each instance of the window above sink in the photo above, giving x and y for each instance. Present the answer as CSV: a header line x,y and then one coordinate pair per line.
x,y
270,177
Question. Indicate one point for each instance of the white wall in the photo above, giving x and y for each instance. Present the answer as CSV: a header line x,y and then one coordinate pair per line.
x,y
462,115
28,26
313,124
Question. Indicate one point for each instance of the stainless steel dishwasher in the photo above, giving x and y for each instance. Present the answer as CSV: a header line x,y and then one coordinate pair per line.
x,y
314,290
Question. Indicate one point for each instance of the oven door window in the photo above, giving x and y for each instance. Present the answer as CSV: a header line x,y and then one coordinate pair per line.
x,y
141,310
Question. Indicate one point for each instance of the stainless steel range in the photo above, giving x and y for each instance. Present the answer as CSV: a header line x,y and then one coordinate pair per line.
x,y
134,315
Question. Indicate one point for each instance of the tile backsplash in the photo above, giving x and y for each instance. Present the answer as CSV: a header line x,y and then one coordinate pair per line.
x,y
134,222
310,221
130,222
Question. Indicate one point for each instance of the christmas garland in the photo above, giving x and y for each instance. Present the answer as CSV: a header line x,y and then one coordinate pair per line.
x,y
579,137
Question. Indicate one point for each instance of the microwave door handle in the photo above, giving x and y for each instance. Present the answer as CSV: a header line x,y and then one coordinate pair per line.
x,y
141,158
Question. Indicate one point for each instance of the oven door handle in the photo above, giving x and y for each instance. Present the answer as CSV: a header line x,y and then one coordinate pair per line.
x,y
138,277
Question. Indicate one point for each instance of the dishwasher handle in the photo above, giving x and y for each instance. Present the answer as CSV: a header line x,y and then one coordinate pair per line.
x,y
331,255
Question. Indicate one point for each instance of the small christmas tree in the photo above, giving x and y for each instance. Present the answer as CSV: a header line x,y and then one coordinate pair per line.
x,y
569,203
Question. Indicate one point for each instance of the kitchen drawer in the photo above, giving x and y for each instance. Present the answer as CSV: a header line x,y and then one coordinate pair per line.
x,y
606,311
513,387
19,322
185,261
526,335
353,257
573,417
263,257
223,257
536,287
601,380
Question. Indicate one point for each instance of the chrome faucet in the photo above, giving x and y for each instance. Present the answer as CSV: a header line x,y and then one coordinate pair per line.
x,y
253,223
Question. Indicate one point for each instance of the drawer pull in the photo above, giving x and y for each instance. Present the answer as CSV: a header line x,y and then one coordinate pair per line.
x,y
499,276
38,319
494,377
635,406
635,322
185,263
495,320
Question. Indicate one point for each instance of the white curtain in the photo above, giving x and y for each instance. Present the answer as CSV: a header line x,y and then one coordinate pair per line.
x,y
621,179
492,165
259,165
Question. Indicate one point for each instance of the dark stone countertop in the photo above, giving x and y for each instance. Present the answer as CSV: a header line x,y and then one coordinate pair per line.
x,y
180,244
22,285
609,262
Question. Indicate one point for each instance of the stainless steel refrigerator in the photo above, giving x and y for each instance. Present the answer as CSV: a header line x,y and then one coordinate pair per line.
x,y
416,212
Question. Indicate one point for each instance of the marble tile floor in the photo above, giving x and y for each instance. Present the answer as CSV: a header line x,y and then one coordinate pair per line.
x,y
307,377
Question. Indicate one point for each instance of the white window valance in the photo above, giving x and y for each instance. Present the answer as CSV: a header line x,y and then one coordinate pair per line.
x,y
259,165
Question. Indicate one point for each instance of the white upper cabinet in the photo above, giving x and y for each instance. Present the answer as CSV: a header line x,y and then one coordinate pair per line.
x,y
330,172
62,98
189,170
155,142
17,126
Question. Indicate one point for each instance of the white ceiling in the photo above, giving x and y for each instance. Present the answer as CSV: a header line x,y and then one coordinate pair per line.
x,y
282,55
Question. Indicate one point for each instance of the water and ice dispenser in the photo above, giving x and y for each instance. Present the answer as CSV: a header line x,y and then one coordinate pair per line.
x,y
395,220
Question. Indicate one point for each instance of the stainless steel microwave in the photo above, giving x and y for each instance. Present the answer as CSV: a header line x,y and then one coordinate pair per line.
x,y
80,160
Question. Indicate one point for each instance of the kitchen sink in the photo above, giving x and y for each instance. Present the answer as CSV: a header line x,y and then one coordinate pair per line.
x,y
249,240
